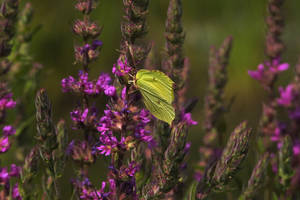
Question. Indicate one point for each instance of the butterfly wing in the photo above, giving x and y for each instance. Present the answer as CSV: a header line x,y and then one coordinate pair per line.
x,y
157,91
156,82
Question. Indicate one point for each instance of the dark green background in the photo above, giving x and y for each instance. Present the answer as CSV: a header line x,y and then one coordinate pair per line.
x,y
205,22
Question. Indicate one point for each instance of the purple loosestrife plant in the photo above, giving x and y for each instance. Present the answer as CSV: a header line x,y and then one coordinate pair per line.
x,y
214,106
9,186
274,130
221,171
8,176
146,157
85,116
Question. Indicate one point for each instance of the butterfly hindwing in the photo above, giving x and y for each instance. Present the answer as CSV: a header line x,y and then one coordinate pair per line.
x,y
159,107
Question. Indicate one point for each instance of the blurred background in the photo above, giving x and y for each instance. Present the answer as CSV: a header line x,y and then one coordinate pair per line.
x,y
206,23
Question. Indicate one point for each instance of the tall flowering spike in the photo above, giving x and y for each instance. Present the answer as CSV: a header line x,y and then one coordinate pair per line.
x,y
166,177
220,172
62,140
257,178
214,102
285,170
30,167
275,23
134,27
46,134
8,18
232,156
88,31
47,138
268,71
174,61
214,98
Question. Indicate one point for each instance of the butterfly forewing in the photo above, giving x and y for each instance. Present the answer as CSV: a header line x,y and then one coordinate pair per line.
x,y
157,91
157,82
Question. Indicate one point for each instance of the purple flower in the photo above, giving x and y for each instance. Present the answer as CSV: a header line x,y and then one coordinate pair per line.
x,y
6,102
110,91
4,176
132,169
108,143
275,67
83,85
277,135
8,130
103,80
187,118
4,144
68,84
15,192
257,74
286,96
15,170
87,52
295,114
122,68
267,72
296,148
124,94
198,176
78,115
88,191
187,147
104,149
70,147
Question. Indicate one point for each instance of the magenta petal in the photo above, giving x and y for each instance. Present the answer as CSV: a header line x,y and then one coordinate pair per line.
x,y
283,67
261,67
255,75
296,149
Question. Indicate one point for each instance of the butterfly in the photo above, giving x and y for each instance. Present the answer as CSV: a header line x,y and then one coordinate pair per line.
x,y
158,94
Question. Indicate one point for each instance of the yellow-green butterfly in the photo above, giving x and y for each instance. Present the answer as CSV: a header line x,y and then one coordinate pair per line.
x,y
157,91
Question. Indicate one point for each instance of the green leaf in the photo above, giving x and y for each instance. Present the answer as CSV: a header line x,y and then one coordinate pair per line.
x,y
158,95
